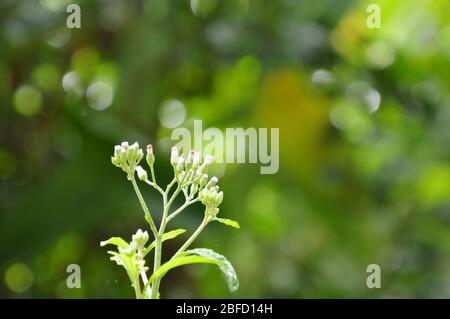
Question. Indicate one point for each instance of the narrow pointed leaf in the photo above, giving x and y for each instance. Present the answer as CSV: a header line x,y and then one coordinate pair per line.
x,y
228,222
119,242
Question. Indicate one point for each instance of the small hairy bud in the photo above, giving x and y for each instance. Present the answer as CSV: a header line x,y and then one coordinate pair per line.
x,y
174,156
127,157
196,157
212,182
142,174
140,239
180,165
150,156
189,160
208,160
203,180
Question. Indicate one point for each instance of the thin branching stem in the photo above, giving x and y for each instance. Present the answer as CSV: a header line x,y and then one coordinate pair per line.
x,y
144,207
191,239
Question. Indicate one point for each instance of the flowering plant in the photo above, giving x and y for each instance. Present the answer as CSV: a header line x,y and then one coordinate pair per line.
x,y
191,181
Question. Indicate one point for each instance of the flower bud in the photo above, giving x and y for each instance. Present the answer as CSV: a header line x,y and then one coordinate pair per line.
x,y
117,150
212,182
193,189
115,161
219,198
132,152
189,160
180,165
208,160
174,156
140,239
127,157
203,180
142,174
196,157
206,163
150,156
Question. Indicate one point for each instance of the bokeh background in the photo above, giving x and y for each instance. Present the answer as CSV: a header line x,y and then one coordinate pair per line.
x,y
364,142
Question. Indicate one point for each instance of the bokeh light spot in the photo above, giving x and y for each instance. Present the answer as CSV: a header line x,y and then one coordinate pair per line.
x,y
373,99
71,83
172,113
202,8
19,278
27,100
100,95
46,76
323,77
54,5
380,55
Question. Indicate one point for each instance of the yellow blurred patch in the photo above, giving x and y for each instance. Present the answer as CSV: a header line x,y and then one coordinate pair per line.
x,y
287,101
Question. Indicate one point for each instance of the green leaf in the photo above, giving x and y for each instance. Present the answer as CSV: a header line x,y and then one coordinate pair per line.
x,y
228,222
119,242
224,265
179,261
170,235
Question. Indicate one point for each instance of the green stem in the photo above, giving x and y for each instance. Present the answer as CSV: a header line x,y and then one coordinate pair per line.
x,y
155,186
136,286
156,265
158,240
165,219
181,208
144,207
197,232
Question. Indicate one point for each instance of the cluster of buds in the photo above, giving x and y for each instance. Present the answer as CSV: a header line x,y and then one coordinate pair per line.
x,y
139,240
211,197
130,255
190,170
127,157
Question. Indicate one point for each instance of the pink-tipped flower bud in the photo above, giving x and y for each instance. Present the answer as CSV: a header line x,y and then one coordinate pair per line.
x,y
174,156
208,160
203,180
150,156
196,157
189,160
213,181
180,164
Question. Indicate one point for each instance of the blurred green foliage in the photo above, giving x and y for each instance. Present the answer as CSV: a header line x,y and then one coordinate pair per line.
x,y
364,159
